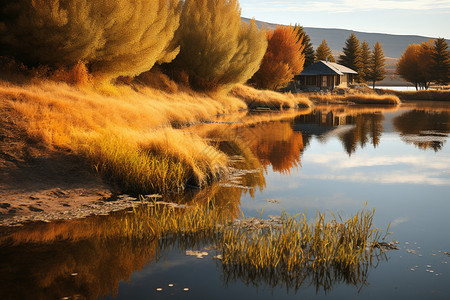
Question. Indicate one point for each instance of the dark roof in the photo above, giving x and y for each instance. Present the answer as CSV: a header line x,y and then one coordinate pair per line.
x,y
326,68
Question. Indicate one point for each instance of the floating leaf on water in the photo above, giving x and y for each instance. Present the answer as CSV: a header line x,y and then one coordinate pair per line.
x,y
198,254
272,201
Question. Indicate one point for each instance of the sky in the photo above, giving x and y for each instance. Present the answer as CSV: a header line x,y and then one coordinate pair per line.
x,y
429,18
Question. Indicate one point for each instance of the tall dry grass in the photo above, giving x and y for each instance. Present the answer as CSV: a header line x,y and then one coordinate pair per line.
x,y
269,99
125,134
358,98
427,95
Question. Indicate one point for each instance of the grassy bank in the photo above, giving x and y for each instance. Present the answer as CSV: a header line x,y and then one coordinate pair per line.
x,y
427,95
126,132
358,98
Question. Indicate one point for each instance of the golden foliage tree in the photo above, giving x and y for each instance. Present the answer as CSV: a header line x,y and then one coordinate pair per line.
x,y
283,59
415,65
115,38
323,52
216,49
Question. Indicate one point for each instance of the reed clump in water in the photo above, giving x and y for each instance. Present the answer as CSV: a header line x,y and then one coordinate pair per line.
x,y
297,243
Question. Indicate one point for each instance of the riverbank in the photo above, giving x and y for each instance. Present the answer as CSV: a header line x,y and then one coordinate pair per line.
x,y
65,147
422,95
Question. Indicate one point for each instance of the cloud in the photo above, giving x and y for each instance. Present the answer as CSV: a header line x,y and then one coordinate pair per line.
x,y
342,6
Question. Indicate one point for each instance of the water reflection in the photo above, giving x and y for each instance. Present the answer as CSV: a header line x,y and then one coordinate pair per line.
x,y
90,257
426,129
86,259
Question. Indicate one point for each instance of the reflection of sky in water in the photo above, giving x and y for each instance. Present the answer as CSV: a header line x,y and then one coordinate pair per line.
x,y
407,183
407,186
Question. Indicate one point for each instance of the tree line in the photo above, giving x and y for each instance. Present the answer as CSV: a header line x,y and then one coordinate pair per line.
x,y
422,64
370,64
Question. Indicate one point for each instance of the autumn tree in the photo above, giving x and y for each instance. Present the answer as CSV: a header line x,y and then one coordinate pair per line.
x,y
365,61
415,65
376,71
115,38
217,50
351,57
441,61
308,50
323,52
282,60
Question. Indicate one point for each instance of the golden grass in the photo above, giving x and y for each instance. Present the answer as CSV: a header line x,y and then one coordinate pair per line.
x,y
125,131
126,134
425,95
358,98
268,99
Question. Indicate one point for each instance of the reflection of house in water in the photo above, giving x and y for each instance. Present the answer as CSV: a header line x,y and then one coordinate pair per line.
x,y
351,129
321,122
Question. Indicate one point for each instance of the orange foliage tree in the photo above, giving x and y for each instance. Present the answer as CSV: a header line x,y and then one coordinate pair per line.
x,y
415,65
283,59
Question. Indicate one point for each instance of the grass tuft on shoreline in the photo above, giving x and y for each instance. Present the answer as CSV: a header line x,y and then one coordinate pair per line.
x,y
358,98
268,99
425,95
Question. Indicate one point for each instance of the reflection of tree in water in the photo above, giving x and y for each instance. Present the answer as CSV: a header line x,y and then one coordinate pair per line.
x,y
367,129
275,144
44,270
425,129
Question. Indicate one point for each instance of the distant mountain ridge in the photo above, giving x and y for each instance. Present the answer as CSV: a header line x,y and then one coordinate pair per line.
x,y
393,45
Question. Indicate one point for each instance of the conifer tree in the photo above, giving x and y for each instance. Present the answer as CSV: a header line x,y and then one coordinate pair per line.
x,y
351,58
323,52
308,50
365,60
282,61
441,61
377,72
216,49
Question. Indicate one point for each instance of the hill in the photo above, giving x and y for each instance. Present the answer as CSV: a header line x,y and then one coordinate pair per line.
x,y
393,45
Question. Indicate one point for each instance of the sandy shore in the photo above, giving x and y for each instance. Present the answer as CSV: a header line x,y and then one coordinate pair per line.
x,y
37,184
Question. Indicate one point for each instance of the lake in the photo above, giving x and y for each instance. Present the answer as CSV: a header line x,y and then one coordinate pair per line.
x,y
337,159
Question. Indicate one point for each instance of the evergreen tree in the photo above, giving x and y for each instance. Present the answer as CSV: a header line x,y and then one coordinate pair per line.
x,y
377,72
441,61
351,58
365,60
308,50
323,52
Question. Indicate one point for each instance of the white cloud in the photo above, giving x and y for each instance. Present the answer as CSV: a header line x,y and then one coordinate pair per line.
x,y
340,6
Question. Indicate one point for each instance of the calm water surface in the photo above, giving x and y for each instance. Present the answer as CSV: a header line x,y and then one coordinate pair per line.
x,y
397,160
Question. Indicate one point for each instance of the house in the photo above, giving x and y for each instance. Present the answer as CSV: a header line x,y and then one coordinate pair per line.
x,y
324,75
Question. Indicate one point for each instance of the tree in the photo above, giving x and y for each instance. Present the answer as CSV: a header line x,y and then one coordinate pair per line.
x,y
415,65
114,38
441,61
216,49
323,52
376,71
308,50
282,60
351,58
365,60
